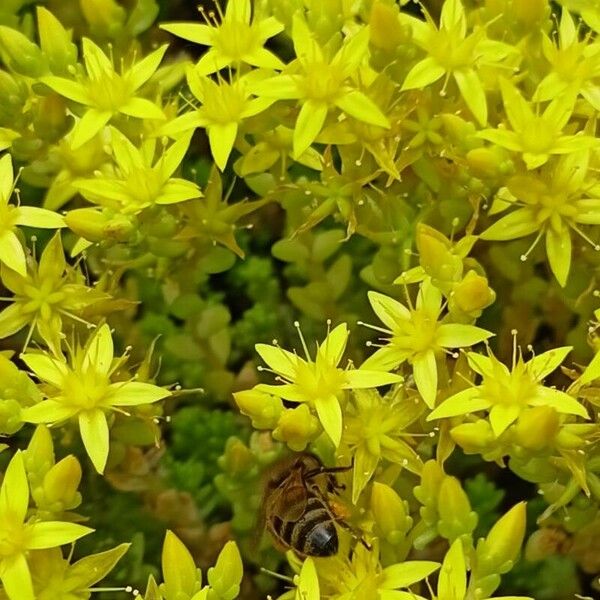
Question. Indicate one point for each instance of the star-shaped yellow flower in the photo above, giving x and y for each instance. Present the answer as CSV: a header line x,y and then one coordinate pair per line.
x,y
320,383
418,336
18,536
107,93
505,392
84,389
237,39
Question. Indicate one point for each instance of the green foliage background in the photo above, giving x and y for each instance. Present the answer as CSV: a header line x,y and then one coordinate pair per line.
x,y
404,195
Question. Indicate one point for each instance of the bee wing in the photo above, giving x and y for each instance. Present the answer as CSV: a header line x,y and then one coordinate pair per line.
x,y
289,502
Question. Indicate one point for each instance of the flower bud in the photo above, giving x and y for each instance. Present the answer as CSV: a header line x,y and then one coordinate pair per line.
x,y
472,295
39,456
435,254
10,417
474,438
61,483
386,31
530,13
390,513
105,17
88,223
297,427
498,552
262,408
55,42
238,459
225,577
456,516
537,427
21,54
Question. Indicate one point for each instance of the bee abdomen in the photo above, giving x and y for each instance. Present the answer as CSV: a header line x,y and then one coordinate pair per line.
x,y
315,534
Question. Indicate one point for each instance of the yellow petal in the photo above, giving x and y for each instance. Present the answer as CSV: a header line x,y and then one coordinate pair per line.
x,y
133,393
16,577
425,374
334,345
51,534
330,415
100,352
14,493
11,253
95,436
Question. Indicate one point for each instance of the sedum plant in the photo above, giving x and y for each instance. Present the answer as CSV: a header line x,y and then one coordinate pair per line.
x,y
241,231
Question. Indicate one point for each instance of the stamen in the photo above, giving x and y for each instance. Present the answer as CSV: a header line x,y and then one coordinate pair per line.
x,y
374,327
538,237
578,231
302,341
514,333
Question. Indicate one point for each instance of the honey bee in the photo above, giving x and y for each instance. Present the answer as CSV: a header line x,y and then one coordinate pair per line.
x,y
296,509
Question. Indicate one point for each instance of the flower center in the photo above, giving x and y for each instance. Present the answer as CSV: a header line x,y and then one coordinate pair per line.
x,y
322,81
108,91
86,389
235,39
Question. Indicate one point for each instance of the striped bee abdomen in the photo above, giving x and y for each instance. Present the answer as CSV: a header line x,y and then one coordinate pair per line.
x,y
314,534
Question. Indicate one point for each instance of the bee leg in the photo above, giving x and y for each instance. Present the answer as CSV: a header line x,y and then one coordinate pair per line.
x,y
328,470
356,535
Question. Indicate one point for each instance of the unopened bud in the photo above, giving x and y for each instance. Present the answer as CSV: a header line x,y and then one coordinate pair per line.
x,y
264,409
297,427
390,513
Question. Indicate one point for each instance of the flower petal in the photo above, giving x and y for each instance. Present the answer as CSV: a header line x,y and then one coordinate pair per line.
x,y
11,252
334,345
462,403
502,416
517,224
222,137
560,401
48,411
32,216
545,363
456,335
145,68
50,534
385,359
133,393
288,391
558,250
330,414
14,493
424,73
142,109
16,577
425,374
13,319
88,126
361,107
95,436
281,361
390,311
308,125
404,574
100,351
364,378
472,93
46,368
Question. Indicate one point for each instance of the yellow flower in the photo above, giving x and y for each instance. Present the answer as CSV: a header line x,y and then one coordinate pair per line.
x,y
551,204
419,337
84,389
18,536
321,383
322,83
50,291
451,52
536,136
507,393
107,93
139,181
237,39
11,250
224,106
